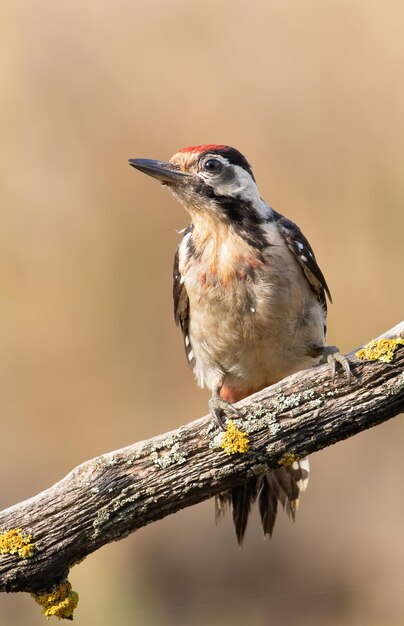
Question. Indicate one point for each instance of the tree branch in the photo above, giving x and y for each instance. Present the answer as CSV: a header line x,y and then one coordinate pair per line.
x,y
108,497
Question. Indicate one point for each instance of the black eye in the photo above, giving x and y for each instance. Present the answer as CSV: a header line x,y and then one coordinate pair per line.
x,y
212,165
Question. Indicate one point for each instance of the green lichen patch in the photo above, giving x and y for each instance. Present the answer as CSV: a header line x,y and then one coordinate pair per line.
x,y
60,602
261,415
257,418
216,441
107,518
168,452
211,427
133,458
282,403
15,541
398,386
380,350
257,469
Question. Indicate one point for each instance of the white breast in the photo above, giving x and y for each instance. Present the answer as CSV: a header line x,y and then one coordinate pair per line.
x,y
250,325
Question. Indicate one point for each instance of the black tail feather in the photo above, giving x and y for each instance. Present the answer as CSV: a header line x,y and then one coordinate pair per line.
x,y
222,502
242,498
267,505
282,485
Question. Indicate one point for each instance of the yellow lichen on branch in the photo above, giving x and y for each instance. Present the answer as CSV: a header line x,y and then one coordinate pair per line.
x,y
380,350
60,602
14,541
234,441
288,459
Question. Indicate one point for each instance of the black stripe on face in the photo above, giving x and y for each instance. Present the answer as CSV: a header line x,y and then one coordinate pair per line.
x,y
239,214
235,158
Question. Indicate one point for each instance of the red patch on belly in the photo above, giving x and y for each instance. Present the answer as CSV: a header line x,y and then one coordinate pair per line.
x,y
253,262
202,278
231,394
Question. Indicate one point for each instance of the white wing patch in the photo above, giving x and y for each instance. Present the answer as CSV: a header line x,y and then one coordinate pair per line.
x,y
303,466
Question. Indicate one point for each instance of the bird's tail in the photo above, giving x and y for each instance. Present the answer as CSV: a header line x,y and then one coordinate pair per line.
x,y
282,485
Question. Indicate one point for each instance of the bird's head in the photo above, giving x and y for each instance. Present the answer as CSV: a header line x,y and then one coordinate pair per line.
x,y
213,182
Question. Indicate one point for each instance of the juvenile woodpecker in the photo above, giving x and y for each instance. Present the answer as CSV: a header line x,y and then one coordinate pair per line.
x,y
250,299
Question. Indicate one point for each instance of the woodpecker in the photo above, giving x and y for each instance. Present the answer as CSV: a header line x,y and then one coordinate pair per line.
x,y
250,299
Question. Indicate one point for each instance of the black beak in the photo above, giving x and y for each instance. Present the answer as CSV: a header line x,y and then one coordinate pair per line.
x,y
165,172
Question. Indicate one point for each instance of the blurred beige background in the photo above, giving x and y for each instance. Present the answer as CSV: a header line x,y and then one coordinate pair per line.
x,y
90,359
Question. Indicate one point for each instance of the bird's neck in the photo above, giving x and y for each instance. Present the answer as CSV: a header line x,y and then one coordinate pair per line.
x,y
223,255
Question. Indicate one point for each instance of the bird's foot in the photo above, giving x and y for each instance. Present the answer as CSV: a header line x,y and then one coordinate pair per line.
x,y
222,410
332,356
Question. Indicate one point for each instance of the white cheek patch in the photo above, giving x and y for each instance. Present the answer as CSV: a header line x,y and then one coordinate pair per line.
x,y
239,184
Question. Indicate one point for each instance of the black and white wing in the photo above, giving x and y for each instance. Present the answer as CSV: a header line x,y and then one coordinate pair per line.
x,y
181,307
304,255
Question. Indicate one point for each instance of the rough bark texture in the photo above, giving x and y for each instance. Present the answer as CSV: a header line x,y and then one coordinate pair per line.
x,y
108,497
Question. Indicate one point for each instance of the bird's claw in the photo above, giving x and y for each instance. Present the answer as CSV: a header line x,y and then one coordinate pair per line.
x,y
222,410
332,356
